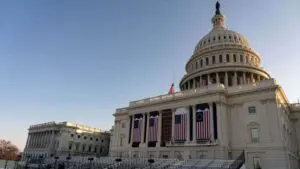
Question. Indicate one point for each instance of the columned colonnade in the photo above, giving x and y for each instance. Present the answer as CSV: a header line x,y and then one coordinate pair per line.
x,y
214,135
228,78
40,140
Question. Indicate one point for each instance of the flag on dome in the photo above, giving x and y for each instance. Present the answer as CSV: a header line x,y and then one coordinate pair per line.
x,y
180,124
171,90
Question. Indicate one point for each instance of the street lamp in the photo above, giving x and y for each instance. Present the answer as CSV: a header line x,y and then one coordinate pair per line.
x,y
68,159
6,161
26,162
56,158
151,161
18,159
90,159
40,160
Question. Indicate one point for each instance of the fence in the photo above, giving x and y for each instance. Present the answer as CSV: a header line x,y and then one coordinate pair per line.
x,y
142,161
8,164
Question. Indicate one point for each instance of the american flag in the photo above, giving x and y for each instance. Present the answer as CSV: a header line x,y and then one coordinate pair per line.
x,y
202,124
153,128
137,130
180,124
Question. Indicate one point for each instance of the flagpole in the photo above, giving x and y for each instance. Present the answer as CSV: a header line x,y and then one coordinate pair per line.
x,y
174,80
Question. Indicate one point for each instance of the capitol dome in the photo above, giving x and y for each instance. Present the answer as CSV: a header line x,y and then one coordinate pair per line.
x,y
222,56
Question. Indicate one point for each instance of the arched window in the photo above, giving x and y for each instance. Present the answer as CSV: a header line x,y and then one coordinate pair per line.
x,y
242,58
201,63
207,61
227,58
213,60
234,58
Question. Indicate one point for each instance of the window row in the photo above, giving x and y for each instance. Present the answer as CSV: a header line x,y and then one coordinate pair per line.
x,y
85,148
232,38
85,137
206,61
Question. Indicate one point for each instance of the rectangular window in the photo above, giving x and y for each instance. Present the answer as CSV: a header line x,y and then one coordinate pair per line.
x,y
201,63
123,125
251,109
220,58
254,135
234,58
207,61
227,58
242,58
256,162
213,60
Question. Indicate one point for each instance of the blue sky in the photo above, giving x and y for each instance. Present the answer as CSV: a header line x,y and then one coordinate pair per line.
x,y
79,60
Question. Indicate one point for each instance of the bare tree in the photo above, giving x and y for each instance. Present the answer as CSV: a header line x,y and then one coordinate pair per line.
x,y
8,151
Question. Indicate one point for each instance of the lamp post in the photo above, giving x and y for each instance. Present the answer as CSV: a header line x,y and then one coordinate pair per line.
x,y
150,161
90,159
40,160
19,158
6,161
56,158
68,159
26,162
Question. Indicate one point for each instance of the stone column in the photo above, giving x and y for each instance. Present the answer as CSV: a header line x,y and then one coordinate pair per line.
x,y
147,128
32,140
173,123
200,81
211,121
43,139
208,79
48,139
235,79
52,140
143,129
226,79
259,78
222,124
36,140
194,83
244,78
217,78
159,128
132,126
194,123
252,78
188,126
27,142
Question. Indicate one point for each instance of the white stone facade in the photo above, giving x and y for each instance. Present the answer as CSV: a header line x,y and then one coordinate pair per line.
x,y
248,109
62,139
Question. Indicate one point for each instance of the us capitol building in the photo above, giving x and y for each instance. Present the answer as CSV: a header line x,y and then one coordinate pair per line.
x,y
227,103
64,139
